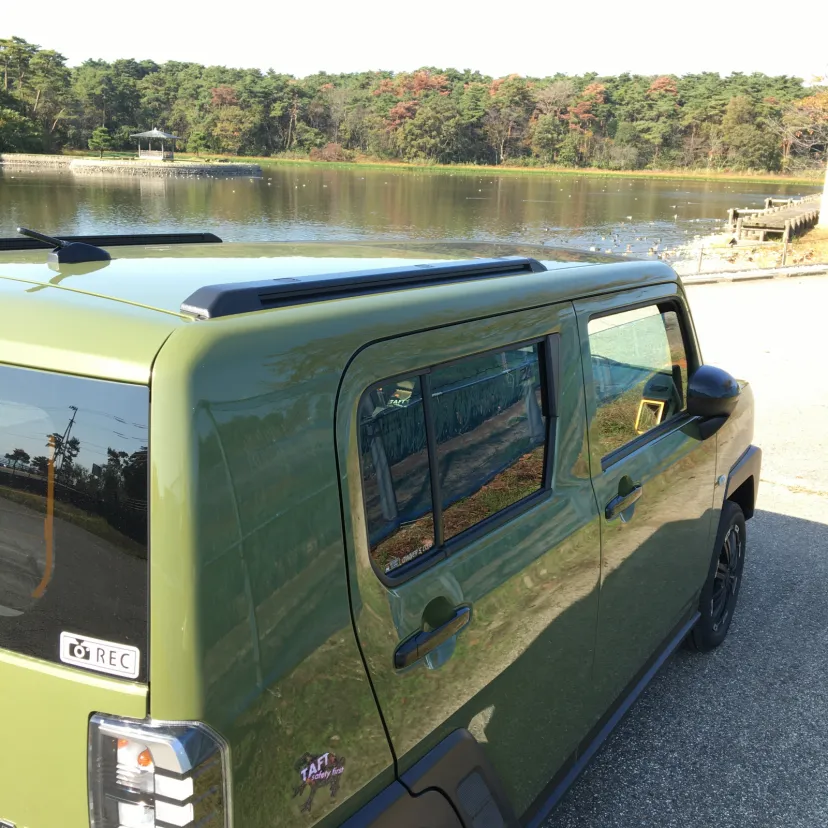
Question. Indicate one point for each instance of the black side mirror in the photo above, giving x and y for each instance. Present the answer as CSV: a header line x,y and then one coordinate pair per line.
x,y
711,392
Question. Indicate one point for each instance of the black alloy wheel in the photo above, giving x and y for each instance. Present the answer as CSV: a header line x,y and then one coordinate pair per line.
x,y
720,592
726,579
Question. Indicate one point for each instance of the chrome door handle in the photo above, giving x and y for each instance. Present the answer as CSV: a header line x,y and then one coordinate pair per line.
x,y
422,643
622,502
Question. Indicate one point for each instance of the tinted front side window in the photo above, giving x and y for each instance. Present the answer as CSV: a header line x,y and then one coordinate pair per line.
x,y
639,370
73,512
490,434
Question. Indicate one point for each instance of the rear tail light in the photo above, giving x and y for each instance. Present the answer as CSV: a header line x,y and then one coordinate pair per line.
x,y
145,774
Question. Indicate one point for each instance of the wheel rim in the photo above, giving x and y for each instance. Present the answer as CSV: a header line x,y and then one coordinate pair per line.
x,y
726,578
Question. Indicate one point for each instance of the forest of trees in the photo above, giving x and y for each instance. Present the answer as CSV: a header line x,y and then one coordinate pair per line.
x,y
739,122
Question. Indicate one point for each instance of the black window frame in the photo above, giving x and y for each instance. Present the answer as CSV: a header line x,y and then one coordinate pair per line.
x,y
548,368
677,421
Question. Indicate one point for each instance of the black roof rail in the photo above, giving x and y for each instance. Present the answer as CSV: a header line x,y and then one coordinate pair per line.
x,y
20,243
212,301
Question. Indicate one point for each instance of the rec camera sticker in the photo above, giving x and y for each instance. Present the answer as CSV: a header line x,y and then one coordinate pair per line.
x,y
322,770
103,656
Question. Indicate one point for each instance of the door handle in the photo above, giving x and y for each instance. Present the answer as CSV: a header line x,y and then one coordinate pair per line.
x,y
423,642
623,502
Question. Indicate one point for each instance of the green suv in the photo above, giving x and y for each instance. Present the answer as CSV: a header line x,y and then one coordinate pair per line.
x,y
389,536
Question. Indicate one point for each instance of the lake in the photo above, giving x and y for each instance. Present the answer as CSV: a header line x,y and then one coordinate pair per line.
x,y
315,202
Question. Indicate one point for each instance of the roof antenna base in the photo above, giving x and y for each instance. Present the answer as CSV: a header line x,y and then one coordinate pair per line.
x,y
77,253
65,252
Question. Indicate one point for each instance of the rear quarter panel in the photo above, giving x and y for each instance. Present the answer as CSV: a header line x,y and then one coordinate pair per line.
x,y
250,620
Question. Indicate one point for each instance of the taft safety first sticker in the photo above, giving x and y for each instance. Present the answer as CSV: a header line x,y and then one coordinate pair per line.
x,y
318,770
103,656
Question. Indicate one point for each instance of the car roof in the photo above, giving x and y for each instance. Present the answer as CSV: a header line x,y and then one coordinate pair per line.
x,y
162,277
118,313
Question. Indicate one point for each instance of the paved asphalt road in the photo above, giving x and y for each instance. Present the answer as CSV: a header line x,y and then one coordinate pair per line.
x,y
739,737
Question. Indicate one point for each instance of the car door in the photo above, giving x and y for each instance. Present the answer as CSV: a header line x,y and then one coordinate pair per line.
x,y
472,536
653,477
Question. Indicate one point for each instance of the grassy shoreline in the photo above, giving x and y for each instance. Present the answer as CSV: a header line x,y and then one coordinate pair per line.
x,y
474,169
678,175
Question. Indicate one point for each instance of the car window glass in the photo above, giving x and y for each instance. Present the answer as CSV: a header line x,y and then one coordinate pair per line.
x,y
73,510
395,472
490,434
639,371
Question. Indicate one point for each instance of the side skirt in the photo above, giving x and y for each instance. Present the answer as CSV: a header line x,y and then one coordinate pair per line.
x,y
539,812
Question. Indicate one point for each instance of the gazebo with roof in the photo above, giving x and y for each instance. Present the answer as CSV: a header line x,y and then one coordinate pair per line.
x,y
156,135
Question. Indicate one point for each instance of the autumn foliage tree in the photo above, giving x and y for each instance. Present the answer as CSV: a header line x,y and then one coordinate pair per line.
x,y
231,122
803,130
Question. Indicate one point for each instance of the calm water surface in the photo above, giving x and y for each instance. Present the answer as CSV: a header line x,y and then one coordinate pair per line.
x,y
319,203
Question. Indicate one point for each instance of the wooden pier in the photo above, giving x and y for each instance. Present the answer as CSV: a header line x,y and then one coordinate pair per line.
x,y
785,216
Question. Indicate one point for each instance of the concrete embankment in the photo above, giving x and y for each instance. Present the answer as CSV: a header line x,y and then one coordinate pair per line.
x,y
146,169
20,159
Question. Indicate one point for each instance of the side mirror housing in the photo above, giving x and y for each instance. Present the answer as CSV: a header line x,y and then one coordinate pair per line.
x,y
712,392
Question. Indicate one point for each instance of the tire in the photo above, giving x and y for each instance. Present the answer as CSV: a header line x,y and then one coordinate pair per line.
x,y
721,589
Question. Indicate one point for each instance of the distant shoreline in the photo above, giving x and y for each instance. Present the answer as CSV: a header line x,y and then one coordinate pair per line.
x,y
679,175
454,169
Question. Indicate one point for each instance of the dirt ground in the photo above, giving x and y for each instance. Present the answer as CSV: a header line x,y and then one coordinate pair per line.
x,y
812,246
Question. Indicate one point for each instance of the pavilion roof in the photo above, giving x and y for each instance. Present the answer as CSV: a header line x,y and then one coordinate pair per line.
x,y
155,133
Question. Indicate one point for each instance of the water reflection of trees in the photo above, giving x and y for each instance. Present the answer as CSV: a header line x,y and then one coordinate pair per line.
x,y
115,491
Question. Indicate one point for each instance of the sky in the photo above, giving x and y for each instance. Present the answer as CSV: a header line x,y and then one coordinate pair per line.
x,y
530,37
36,408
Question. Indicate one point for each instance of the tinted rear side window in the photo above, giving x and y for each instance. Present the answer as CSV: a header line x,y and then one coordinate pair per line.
x,y
444,451
73,512
490,434
395,472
